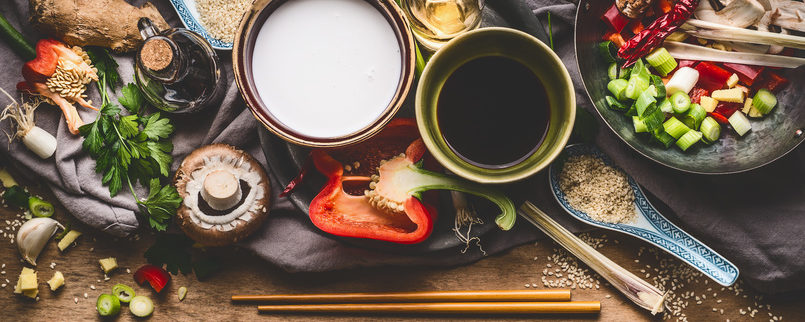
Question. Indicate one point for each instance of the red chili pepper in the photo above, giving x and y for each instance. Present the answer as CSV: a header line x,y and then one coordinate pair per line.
x,y
719,118
711,77
296,180
652,37
746,73
615,18
727,109
155,275
696,94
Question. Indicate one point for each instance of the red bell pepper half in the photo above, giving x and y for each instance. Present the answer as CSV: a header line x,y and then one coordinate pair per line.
x,y
770,81
711,77
36,72
726,109
392,208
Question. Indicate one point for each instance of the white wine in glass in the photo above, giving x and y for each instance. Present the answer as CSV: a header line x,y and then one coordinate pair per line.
x,y
435,22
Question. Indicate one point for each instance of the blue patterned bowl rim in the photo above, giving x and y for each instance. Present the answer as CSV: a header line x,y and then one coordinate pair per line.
x,y
190,22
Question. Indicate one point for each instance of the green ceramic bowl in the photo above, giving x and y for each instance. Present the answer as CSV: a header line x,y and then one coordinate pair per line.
x,y
515,45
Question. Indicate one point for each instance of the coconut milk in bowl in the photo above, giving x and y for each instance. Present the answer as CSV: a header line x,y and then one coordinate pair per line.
x,y
324,73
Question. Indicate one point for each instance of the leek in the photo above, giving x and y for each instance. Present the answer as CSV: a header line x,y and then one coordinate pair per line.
x,y
693,52
675,128
663,137
693,119
662,61
680,102
689,139
683,80
710,129
636,85
618,87
764,101
615,104
739,123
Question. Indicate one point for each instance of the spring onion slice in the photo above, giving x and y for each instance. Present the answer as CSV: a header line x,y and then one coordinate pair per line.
x,y
680,102
612,71
663,137
141,306
659,86
689,139
693,52
665,106
615,104
632,111
662,61
693,119
675,128
645,102
39,207
107,305
764,101
635,86
653,120
739,123
717,31
618,88
710,129
123,292
639,125
605,49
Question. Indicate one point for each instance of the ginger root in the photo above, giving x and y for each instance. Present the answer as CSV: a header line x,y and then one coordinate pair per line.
x,y
105,23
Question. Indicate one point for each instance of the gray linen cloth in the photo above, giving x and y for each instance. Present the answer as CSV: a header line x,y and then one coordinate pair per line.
x,y
758,228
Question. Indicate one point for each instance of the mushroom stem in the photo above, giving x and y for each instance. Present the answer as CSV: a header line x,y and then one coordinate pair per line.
x,y
221,190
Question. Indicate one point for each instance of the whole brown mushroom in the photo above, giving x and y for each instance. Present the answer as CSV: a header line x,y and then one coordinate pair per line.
x,y
226,195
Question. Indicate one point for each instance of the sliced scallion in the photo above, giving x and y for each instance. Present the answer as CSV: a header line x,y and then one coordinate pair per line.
x,y
618,87
663,137
661,60
141,306
605,49
665,106
680,102
740,123
635,86
764,101
644,102
689,139
656,81
107,305
693,119
615,104
639,125
710,129
675,128
612,71
653,120
632,111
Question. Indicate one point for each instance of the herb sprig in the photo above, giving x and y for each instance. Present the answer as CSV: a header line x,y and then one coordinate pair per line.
x,y
133,147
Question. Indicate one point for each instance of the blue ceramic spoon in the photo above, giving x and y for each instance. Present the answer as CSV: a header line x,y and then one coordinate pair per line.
x,y
650,225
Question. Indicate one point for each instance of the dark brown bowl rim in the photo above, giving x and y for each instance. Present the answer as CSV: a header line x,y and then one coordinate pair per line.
x,y
581,7
241,64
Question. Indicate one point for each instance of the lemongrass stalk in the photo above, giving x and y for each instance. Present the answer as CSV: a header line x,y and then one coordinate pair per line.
x,y
693,52
717,31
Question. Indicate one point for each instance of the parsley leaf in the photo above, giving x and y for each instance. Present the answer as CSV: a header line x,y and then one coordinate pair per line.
x,y
161,204
105,63
132,98
157,128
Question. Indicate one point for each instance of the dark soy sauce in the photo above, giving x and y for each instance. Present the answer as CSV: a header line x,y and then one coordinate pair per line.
x,y
493,112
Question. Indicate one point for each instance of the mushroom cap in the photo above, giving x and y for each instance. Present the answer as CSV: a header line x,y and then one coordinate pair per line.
x,y
192,172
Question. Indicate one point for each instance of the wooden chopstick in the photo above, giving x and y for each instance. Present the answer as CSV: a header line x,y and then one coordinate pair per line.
x,y
442,308
557,295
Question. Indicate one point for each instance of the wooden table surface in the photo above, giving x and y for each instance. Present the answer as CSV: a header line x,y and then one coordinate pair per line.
x,y
243,273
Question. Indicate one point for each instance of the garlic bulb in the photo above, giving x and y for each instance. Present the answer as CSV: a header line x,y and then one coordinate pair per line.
x,y
33,235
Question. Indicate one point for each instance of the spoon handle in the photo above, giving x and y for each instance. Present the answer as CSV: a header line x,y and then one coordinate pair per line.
x,y
639,291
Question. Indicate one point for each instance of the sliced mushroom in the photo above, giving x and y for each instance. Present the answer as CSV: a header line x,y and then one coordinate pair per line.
x,y
763,25
226,195
633,8
737,13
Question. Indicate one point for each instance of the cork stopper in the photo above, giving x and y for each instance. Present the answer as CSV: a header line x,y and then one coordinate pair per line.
x,y
156,54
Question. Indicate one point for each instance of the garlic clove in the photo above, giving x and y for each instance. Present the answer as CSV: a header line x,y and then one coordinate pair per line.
x,y
33,235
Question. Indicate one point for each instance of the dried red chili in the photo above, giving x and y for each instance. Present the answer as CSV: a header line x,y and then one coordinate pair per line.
x,y
653,36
